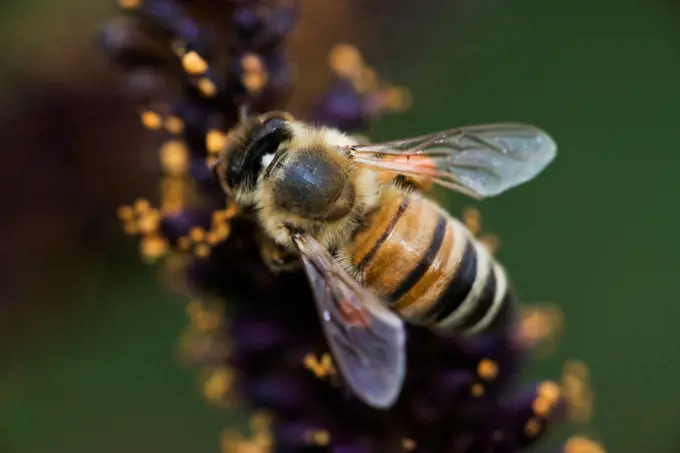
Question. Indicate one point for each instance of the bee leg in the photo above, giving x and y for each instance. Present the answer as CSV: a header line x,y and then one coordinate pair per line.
x,y
277,258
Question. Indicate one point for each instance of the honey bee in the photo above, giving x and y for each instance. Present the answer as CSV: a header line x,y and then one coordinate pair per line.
x,y
377,252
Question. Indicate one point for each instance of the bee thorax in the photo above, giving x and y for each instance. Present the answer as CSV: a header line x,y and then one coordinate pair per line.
x,y
313,186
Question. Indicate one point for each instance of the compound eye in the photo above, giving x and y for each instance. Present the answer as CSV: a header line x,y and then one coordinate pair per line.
x,y
268,125
277,114
244,159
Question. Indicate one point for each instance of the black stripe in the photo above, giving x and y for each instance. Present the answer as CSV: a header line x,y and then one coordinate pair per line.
x,y
459,287
393,223
482,305
425,262
506,314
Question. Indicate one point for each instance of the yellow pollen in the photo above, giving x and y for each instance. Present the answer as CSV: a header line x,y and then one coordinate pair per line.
x,y
576,390
129,4
487,370
194,64
194,307
197,234
202,319
149,222
248,446
532,428
319,437
397,99
368,81
153,247
151,120
541,407
255,75
491,242
172,204
174,157
549,391
207,87
126,212
579,444
184,243
540,325
408,444
346,60
254,82
218,384
220,233
174,125
322,368
252,63
219,217
326,360
212,238
536,325
231,211
472,220
141,205
477,390
215,141
202,250
262,443
260,423
577,369
176,192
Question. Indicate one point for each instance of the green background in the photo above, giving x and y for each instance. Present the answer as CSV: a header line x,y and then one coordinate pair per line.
x,y
596,233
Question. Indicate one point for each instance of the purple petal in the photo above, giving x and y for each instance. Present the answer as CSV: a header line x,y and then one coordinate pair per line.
x,y
278,392
175,225
341,107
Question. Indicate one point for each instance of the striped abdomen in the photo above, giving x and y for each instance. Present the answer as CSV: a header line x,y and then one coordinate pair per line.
x,y
429,268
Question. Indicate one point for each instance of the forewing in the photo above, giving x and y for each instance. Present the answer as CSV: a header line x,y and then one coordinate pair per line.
x,y
367,339
481,161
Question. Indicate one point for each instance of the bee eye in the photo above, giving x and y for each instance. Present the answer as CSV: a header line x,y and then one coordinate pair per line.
x,y
260,147
271,125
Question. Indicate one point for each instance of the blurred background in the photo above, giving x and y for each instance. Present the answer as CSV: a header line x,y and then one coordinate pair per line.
x,y
88,335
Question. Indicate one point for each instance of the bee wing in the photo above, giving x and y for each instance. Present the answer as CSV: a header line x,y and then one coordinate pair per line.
x,y
366,338
480,161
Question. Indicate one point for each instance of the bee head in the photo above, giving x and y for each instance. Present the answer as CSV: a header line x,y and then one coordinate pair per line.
x,y
253,144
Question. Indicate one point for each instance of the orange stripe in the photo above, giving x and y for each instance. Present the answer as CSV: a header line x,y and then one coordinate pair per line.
x,y
365,240
435,273
404,249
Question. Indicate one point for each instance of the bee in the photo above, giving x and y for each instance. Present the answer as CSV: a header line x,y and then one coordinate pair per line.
x,y
376,252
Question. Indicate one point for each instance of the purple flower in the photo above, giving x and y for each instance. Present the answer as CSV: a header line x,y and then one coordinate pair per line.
x,y
258,334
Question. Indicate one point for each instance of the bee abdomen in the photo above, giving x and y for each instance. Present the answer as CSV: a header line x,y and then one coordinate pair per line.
x,y
406,252
429,269
399,252
477,298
